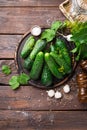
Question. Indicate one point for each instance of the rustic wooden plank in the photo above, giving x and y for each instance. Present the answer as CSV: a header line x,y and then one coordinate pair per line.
x,y
30,98
8,44
30,2
44,120
19,20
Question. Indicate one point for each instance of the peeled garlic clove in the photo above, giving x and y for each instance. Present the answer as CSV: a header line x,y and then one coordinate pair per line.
x,y
58,95
66,88
51,93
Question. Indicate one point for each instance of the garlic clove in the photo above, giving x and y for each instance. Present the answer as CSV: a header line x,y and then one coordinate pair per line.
x,y
58,95
66,88
51,93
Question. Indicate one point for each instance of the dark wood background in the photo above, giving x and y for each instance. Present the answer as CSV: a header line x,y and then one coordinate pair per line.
x,y
29,108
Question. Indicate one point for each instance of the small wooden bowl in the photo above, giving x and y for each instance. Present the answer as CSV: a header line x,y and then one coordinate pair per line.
x,y
56,82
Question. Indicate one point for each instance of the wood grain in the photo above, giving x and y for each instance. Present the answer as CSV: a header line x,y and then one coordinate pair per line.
x,y
30,98
8,44
19,20
50,120
30,2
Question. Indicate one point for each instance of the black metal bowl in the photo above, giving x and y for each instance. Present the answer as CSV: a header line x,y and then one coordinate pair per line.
x,y
56,82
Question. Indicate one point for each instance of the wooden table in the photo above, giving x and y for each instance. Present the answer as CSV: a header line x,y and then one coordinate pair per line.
x,y
29,108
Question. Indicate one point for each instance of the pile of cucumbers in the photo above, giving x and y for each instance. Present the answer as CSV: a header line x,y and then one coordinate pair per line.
x,y
42,63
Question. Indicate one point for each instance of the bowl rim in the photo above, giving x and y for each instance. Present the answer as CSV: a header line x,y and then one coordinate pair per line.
x,y
31,81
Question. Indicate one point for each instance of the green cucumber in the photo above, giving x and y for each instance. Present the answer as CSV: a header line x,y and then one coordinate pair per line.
x,y
28,46
53,66
61,62
63,50
37,66
39,46
28,63
46,77
60,43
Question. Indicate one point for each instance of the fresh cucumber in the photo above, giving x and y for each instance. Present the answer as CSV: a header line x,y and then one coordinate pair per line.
x,y
28,63
39,46
37,66
63,50
60,43
46,77
28,46
61,62
53,66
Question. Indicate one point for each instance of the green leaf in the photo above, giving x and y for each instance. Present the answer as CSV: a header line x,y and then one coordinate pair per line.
x,y
74,50
23,78
83,51
75,26
6,69
79,54
80,37
56,25
13,82
48,34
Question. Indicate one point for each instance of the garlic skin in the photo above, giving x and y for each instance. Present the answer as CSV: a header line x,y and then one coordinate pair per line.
x,y
58,95
68,37
66,88
51,93
36,30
